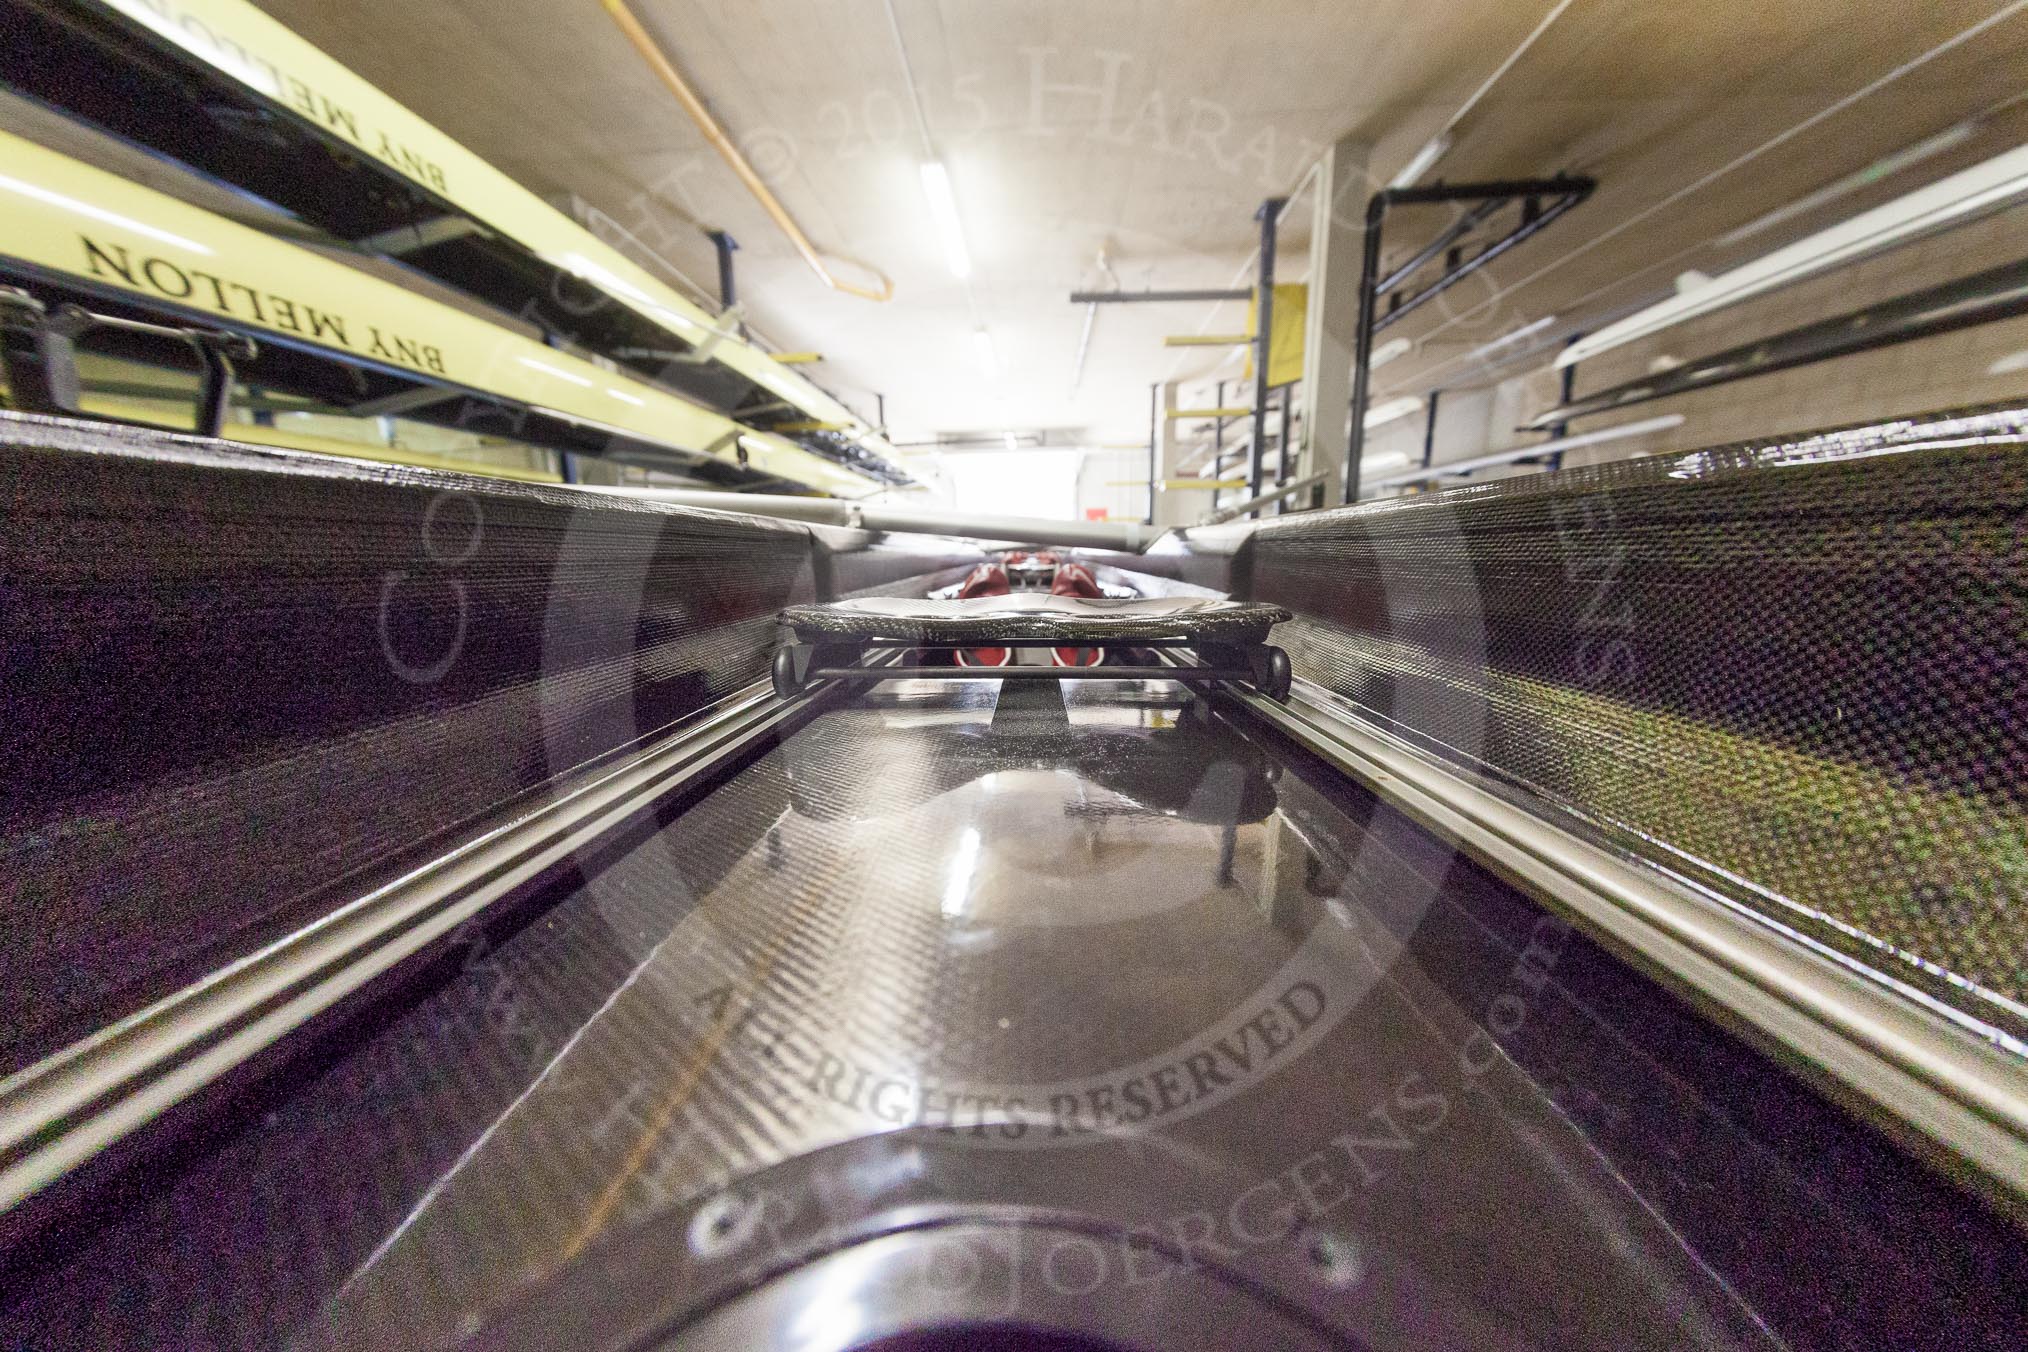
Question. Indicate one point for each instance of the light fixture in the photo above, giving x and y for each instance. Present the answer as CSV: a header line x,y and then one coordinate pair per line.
x,y
1422,162
1905,158
1505,340
1392,409
984,352
943,205
2009,364
1387,352
1949,201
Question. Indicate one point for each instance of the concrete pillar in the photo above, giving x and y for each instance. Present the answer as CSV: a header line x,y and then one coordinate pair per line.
x,y
1337,236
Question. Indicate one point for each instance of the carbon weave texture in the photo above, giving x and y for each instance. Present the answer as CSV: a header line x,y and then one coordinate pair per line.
x,y
1790,670
233,680
659,1033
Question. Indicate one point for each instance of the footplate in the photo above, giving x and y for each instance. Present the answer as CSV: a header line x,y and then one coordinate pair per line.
x,y
1225,641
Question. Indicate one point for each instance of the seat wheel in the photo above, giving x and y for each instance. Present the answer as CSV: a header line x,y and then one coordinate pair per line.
x,y
1280,676
787,684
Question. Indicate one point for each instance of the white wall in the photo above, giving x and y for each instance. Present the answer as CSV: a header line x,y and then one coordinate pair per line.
x,y
1033,483
1116,481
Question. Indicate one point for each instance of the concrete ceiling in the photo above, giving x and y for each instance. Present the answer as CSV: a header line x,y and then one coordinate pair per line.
x,y
1152,129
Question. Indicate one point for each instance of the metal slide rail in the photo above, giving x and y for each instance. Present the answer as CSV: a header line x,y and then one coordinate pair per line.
x,y
1961,1100
90,1097
1961,1097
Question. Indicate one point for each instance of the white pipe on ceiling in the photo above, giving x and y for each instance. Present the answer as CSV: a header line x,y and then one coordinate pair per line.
x,y
715,136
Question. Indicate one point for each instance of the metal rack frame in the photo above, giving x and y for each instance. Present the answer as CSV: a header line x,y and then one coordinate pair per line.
x,y
1543,201
1964,302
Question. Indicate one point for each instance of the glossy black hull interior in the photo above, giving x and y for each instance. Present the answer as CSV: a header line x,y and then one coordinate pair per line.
x,y
1017,928
1115,954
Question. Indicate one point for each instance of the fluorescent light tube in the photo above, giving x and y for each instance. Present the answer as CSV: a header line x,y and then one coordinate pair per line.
x,y
1516,336
1507,340
1949,201
1905,158
1423,161
1392,409
936,186
1388,351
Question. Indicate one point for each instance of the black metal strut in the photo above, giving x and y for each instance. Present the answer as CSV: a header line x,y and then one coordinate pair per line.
x,y
1561,194
1981,298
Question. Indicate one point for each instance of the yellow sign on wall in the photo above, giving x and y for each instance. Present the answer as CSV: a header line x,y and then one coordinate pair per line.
x,y
1285,344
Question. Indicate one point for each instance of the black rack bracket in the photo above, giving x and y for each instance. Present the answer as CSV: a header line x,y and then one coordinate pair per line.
x,y
1542,200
